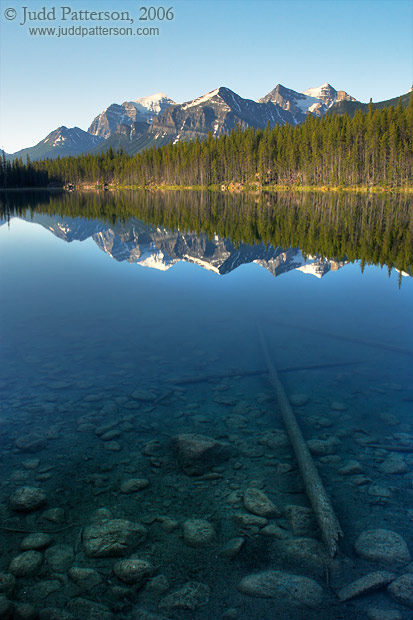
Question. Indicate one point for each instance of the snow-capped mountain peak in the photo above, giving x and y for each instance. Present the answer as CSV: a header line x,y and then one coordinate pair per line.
x,y
200,100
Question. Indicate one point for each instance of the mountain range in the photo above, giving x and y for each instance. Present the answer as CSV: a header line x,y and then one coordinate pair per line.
x,y
159,248
157,119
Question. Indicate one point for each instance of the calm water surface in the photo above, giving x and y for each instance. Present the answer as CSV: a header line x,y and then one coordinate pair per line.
x,y
119,336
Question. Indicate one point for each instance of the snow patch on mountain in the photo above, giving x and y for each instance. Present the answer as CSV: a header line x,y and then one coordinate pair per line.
x,y
200,100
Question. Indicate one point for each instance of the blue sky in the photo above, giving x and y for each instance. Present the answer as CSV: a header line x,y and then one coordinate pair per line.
x,y
361,46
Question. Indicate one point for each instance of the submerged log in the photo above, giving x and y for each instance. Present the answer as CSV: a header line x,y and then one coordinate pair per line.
x,y
366,343
316,493
254,373
389,448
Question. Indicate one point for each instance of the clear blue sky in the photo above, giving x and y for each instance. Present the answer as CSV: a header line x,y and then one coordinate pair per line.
x,y
361,46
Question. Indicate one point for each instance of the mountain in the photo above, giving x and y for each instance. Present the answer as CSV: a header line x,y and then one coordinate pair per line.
x,y
218,111
160,248
60,143
327,95
351,107
315,100
298,104
137,114
157,120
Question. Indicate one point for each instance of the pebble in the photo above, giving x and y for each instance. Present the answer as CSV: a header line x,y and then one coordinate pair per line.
x,y
133,571
247,520
36,541
54,515
337,405
112,538
256,502
232,548
6,608
24,611
27,499
31,442
294,590
374,613
133,485
26,563
144,395
382,546
112,446
85,578
298,400
157,585
31,464
364,585
199,453
350,468
198,533
59,557
401,589
53,613
273,530
89,610
301,520
7,583
323,447
190,596
394,464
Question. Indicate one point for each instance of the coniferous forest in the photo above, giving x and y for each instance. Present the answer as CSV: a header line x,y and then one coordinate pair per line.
x,y
373,149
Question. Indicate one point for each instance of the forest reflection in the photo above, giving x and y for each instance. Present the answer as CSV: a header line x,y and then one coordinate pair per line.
x,y
375,229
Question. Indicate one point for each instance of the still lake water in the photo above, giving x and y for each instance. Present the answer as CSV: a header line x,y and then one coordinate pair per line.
x,y
118,335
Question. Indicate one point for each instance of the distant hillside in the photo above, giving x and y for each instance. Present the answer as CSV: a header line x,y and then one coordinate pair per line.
x,y
351,107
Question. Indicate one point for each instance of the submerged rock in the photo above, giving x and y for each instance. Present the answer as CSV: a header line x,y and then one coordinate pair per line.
x,y
133,485
54,515
133,571
6,608
85,578
113,538
301,520
88,610
27,499
295,590
374,613
394,464
24,611
53,613
198,533
382,546
364,585
7,583
298,400
36,541
256,502
232,548
198,453
31,442
401,589
192,595
323,447
26,563
59,557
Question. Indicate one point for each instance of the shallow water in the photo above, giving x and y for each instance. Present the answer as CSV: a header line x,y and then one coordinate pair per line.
x,y
118,336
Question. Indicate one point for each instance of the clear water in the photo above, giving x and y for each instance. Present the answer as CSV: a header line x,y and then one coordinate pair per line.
x,y
82,330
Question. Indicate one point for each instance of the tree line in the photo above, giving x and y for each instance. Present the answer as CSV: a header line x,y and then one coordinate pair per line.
x,y
370,149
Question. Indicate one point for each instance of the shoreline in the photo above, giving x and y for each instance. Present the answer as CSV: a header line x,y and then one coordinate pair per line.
x,y
230,188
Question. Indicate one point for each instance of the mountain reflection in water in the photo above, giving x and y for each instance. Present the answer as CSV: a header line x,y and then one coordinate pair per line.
x,y
314,233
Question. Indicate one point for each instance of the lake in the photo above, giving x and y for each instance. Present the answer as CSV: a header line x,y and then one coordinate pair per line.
x,y
146,470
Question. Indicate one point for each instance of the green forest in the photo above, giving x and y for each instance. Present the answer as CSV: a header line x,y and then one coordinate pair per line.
x,y
372,149
375,229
